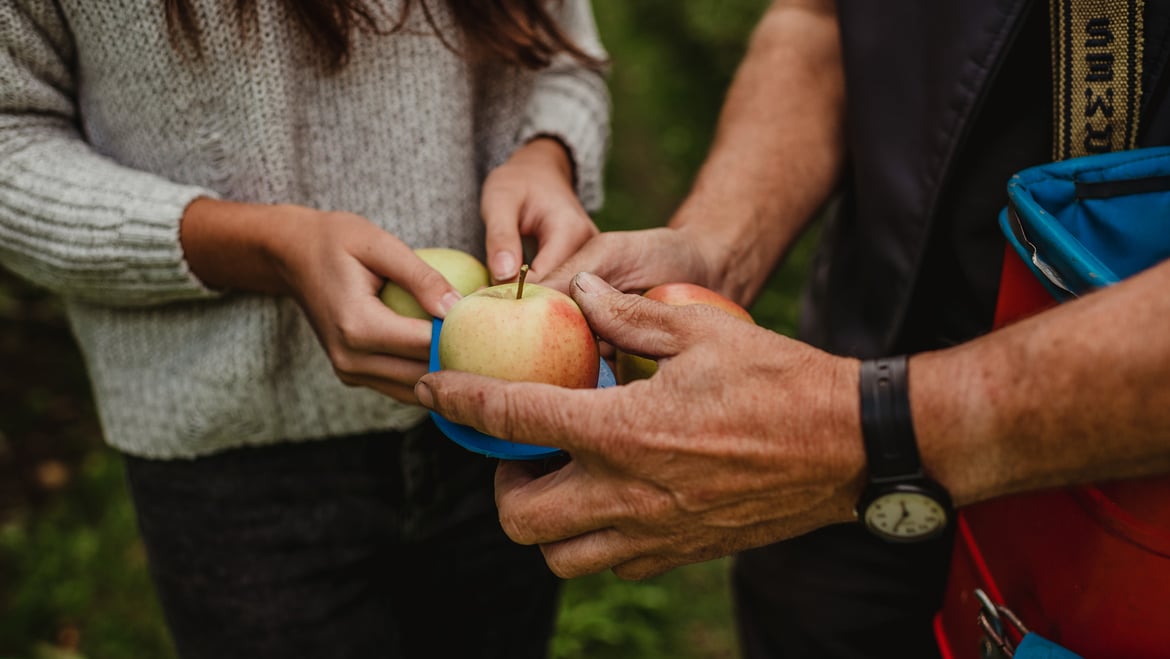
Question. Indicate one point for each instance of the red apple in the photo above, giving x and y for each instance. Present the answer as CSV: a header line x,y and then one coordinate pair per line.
x,y
463,271
520,333
632,367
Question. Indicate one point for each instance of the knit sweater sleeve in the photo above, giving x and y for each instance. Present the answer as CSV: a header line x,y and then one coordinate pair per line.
x,y
571,103
71,219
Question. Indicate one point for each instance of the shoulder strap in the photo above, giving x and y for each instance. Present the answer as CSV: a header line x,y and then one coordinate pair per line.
x,y
1097,75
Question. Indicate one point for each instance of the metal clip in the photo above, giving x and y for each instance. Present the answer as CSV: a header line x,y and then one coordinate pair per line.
x,y
1016,226
991,621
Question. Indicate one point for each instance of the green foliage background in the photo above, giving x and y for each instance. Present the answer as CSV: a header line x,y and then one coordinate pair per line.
x,y
72,572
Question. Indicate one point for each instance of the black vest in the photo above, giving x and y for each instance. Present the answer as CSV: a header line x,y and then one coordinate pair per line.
x,y
918,76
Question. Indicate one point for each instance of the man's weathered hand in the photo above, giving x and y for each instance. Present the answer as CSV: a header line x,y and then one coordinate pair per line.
x,y
637,260
742,438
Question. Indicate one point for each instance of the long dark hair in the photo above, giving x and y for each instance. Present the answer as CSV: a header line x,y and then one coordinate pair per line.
x,y
520,32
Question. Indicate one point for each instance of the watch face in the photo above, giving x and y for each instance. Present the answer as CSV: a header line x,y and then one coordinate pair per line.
x,y
905,516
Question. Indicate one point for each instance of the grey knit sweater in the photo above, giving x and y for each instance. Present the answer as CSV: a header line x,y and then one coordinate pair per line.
x,y
107,133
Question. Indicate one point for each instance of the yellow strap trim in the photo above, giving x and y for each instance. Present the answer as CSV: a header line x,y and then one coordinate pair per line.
x,y
1097,75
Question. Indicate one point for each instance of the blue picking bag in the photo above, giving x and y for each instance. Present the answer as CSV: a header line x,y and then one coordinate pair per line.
x,y
1034,646
1085,223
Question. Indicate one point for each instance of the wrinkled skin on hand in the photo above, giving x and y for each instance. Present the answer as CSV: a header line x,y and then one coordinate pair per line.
x,y
634,261
638,260
742,438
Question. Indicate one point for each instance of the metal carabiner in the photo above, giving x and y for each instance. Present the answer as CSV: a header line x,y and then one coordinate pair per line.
x,y
991,621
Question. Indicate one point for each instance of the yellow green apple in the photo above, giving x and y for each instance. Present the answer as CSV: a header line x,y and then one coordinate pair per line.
x,y
520,333
464,272
628,368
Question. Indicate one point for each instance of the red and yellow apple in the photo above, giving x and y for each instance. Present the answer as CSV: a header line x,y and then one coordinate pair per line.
x,y
628,368
520,333
463,271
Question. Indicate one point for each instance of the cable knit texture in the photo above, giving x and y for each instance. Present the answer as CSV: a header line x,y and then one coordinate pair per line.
x,y
107,132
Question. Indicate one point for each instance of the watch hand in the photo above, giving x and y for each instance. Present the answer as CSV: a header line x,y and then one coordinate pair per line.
x,y
905,514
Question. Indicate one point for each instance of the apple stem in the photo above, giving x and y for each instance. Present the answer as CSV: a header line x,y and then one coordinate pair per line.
x,y
520,284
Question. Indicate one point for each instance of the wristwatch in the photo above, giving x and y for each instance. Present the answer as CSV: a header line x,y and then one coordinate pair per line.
x,y
899,503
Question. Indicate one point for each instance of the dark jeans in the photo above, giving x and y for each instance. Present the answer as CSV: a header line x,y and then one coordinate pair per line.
x,y
384,545
840,593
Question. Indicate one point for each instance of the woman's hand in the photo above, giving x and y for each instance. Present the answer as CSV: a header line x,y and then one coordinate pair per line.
x,y
532,196
334,265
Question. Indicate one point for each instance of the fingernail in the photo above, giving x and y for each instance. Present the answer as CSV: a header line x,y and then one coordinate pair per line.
x,y
423,393
587,282
503,265
447,301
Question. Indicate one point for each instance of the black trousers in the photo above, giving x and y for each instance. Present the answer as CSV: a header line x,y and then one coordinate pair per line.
x,y
384,545
840,593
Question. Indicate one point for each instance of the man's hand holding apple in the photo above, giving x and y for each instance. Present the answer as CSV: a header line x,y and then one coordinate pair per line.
x,y
637,260
742,438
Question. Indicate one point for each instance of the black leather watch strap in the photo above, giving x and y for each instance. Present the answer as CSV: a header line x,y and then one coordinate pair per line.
x,y
886,427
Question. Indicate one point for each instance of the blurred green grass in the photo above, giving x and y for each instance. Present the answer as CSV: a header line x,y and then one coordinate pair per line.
x,y
72,575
